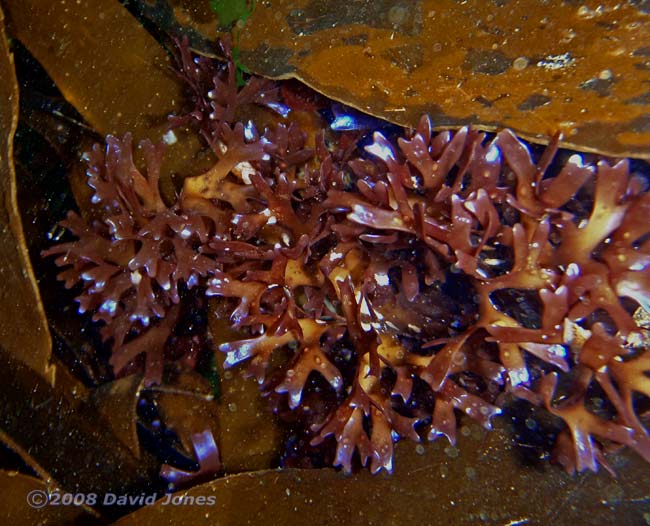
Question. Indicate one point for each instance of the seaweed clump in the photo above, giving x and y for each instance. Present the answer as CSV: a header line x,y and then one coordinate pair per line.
x,y
382,289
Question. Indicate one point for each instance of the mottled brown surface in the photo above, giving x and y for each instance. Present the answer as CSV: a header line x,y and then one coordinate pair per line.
x,y
23,327
537,67
578,67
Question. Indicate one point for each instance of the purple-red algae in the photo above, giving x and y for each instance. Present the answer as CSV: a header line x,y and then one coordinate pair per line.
x,y
383,289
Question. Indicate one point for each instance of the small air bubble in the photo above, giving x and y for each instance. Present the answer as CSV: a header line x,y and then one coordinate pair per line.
x,y
520,63
170,138
452,452
605,74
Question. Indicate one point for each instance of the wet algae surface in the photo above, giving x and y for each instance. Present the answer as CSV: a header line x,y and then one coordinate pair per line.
x,y
535,67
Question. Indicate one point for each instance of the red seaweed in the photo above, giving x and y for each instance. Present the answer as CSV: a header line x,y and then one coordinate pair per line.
x,y
402,284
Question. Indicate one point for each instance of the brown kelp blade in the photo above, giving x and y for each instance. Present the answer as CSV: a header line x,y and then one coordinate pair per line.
x,y
581,68
250,436
23,327
65,440
428,482
23,503
117,403
110,69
